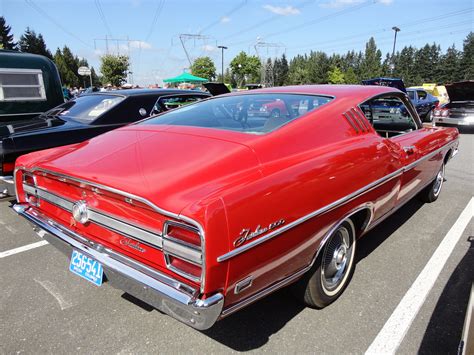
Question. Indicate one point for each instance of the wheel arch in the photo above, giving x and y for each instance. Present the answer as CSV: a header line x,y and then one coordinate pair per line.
x,y
361,217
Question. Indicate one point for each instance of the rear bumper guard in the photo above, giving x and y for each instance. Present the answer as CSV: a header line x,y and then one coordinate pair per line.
x,y
168,295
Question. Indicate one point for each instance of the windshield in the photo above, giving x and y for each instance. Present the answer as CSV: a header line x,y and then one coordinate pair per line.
x,y
86,108
251,113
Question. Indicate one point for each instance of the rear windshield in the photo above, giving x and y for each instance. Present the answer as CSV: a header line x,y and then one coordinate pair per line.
x,y
250,113
87,108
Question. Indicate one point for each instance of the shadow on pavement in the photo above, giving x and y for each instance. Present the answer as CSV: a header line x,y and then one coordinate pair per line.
x,y
385,229
252,327
444,330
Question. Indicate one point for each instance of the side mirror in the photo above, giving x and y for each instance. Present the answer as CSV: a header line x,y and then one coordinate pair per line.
x,y
142,112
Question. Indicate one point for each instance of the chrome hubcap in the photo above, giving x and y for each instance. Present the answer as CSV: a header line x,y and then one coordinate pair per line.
x,y
336,259
438,182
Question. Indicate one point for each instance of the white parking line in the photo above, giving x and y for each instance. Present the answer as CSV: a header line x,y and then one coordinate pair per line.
x,y
4,254
390,337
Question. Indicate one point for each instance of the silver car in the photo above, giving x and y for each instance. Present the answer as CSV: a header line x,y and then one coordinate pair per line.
x,y
459,110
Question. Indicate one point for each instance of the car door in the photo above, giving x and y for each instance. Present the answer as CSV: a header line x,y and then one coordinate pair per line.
x,y
394,118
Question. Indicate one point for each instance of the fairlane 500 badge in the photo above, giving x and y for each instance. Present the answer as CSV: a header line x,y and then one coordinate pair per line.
x,y
247,234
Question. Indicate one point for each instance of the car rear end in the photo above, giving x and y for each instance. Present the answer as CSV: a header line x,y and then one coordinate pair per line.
x,y
114,236
455,113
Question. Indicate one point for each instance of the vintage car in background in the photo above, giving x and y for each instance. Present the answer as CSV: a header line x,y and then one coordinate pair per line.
x,y
79,119
460,109
29,85
438,91
423,101
203,210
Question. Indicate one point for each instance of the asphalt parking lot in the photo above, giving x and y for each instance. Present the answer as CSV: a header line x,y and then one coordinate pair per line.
x,y
44,308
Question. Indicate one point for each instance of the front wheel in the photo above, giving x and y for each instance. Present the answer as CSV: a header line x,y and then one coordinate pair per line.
x,y
333,269
431,192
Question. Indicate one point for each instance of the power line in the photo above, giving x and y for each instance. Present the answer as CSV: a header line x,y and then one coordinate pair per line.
x,y
102,17
260,24
228,14
386,30
158,10
312,22
52,20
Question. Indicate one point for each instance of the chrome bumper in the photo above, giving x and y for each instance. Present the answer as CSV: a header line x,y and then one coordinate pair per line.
x,y
7,186
170,296
467,121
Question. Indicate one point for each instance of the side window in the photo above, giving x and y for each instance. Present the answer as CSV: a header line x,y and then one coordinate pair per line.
x,y
389,116
134,108
411,94
170,102
421,94
21,85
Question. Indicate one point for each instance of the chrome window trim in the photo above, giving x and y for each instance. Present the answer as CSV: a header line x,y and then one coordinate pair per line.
x,y
330,206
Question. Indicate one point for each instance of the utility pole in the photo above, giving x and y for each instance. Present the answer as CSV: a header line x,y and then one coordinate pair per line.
x,y
392,65
222,48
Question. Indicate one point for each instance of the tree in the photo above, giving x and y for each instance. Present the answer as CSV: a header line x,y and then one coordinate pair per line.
x,y
68,77
6,39
114,69
450,62
204,67
371,64
318,67
246,68
336,76
467,60
280,71
30,42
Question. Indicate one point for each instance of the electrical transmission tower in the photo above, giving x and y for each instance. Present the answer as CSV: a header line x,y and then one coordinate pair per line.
x,y
263,53
110,43
184,37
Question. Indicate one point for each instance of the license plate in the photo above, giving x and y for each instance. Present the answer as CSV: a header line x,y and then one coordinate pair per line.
x,y
86,267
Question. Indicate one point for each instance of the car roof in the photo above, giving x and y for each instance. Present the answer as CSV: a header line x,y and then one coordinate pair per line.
x,y
139,92
356,92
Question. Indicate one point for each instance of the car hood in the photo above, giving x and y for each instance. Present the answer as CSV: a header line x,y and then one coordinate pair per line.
x,y
461,91
171,169
26,126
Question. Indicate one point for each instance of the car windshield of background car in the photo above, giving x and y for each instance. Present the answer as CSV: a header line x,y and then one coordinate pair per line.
x,y
249,113
87,108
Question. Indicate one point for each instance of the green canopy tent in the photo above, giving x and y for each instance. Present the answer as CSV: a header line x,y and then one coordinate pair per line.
x,y
185,78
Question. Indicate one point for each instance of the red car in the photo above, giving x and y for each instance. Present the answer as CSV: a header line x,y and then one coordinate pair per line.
x,y
203,210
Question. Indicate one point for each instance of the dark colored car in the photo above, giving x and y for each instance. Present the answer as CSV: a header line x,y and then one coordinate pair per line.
x,y
29,85
82,118
459,110
423,101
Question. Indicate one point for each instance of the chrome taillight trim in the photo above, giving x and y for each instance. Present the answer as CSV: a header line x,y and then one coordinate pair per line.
x,y
182,250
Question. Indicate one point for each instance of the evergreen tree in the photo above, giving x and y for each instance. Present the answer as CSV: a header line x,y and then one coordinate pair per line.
x,y
371,64
451,63
30,42
68,77
6,39
281,71
467,60
318,67
336,76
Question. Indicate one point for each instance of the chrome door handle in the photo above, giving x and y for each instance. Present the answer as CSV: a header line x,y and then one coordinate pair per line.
x,y
410,149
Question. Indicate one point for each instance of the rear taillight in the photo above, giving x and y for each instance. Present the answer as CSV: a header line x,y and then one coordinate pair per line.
x,y
182,248
445,113
7,168
29,188
441,112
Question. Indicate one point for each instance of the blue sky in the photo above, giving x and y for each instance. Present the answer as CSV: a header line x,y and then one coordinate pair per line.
x,y
293,27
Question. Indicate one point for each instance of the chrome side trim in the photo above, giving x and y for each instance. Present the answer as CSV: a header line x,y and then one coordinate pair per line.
x,y
264,292
346,116
329,207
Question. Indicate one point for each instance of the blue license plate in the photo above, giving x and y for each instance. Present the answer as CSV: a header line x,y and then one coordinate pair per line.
x,y
86,267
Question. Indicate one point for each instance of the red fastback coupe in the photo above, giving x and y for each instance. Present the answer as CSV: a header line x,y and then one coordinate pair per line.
x,y
205,209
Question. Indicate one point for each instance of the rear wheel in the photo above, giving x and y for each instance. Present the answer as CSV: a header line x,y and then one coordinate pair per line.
x,y
431,192
333,269
428,117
